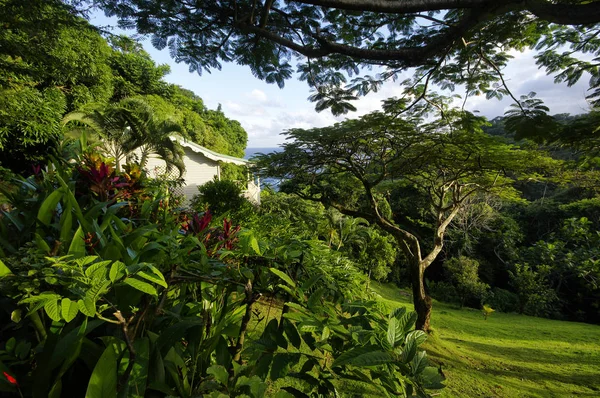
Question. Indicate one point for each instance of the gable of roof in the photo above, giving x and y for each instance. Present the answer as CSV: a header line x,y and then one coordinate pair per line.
x,y
212,155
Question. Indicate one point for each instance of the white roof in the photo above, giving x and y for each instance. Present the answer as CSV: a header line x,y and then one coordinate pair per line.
x,y
217,157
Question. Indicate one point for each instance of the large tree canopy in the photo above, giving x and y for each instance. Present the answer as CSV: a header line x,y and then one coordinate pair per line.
x,y
449,42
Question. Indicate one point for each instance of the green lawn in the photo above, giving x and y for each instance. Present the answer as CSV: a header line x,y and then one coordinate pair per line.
x,y
508,355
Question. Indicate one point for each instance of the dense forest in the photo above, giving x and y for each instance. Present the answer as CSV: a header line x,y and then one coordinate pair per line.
x,y
113,285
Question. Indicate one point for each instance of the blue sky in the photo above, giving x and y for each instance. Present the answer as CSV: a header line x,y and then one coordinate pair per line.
x,y
265,111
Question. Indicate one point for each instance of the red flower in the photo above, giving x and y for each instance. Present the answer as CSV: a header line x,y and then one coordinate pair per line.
x,y
11,379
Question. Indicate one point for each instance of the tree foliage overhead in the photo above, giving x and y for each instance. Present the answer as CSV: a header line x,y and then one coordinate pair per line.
x,y
450,42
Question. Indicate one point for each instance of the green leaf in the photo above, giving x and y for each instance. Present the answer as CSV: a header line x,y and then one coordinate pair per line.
x,y
419,363
87,306
418,336
103,382
141,286
395,332
77,247
48,207
97,270
66,223
254,244
281,365
292,333
409,350
4,270
52,308
220,374
136,384
117,270
283,276
407,321
68,309
314,301
42,244
363,356
152,278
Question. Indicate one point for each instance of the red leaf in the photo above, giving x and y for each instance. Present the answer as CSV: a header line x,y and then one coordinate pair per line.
x,y
10,379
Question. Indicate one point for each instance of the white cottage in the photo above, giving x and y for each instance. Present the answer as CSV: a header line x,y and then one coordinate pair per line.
x,y
201,166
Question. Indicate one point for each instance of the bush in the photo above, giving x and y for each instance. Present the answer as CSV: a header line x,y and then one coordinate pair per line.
x,y
502,300
536,296
443,291
463,274
220,197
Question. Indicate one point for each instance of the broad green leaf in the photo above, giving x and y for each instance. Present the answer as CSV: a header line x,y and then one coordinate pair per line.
x,y
68,309
15,316
87,306
306,286
52,308
419,363
103,382
409,350
117,270
77,247
66,224
314,301
283,276
4,270
407,321
281,364
141,286
48,207
418,336
398,312
254,244
362,356
136,384
152,278
395,332
220,374
292,333
42,244
97,270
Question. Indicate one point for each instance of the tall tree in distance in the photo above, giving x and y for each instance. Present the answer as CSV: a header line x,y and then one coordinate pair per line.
x,y
353,165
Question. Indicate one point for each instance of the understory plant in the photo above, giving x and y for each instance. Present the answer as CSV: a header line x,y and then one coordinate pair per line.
x,y
109,289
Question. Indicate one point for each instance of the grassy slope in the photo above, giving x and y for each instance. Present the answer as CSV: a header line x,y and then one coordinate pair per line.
x,y
509,355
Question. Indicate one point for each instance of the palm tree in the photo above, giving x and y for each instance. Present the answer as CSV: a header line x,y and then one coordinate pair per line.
x,y
130,126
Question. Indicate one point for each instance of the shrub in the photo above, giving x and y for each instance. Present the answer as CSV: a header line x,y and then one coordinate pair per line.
x,y
502,300
463,274
443,291
220,197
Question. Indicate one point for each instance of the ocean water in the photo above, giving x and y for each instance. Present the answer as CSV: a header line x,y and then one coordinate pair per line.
x,y
272,183
249,152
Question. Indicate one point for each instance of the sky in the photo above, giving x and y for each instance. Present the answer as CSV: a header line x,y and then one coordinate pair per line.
x,y
265,111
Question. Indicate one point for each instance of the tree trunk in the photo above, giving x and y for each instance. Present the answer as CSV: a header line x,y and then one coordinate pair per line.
x,y
421,300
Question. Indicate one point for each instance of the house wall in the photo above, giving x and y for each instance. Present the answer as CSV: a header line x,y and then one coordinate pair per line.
x,y
198,171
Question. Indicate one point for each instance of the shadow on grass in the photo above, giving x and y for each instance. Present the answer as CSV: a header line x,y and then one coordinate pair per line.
x,y
565,374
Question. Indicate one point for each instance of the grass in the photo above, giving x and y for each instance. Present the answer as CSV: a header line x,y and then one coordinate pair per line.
x,y
508,355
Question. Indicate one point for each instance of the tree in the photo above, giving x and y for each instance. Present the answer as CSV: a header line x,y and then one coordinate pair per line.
x,y
352,165
129,126
51,62
451,43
